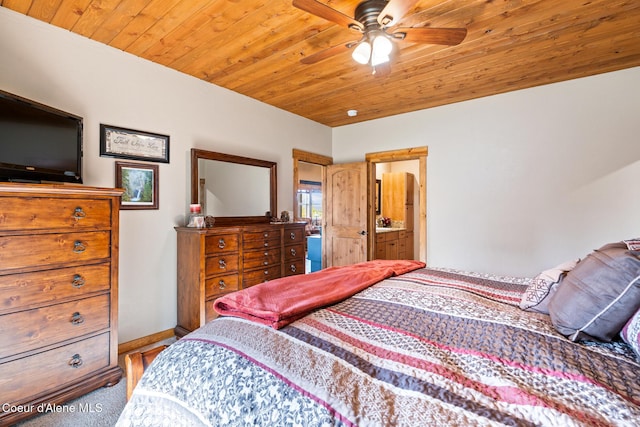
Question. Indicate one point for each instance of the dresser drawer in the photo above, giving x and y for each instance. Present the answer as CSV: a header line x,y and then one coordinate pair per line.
x,y
261,258
390,235
266,234
221,264
31,329
216,286
43,213
255,277
50,286
294,252
294,235
50,249
26,377
262,244
221,243
294,267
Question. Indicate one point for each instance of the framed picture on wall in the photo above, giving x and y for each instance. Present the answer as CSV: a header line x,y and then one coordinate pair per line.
x,y
140,184
133,144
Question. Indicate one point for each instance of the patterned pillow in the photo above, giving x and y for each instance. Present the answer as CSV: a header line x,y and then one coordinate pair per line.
x,y
543,286
631,332
633,244
599,295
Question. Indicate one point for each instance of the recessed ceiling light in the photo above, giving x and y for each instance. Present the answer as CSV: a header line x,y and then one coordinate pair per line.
x,y
352,113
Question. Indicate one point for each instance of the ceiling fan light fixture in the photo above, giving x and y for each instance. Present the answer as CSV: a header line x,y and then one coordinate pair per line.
x,y
382,47
376,21
362,53
379,59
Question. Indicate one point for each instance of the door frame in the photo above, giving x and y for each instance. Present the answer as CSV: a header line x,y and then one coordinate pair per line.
x,y
416,153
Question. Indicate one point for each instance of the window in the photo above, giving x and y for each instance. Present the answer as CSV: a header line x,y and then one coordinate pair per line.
x,y
310,201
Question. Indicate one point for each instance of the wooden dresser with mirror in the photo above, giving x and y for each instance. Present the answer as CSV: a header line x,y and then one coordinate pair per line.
x,y
243,248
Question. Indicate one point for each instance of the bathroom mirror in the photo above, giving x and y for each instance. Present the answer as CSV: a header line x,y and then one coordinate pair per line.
x,y
233,188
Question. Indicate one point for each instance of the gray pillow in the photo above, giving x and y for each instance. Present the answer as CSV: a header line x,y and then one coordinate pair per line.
x,y
599,295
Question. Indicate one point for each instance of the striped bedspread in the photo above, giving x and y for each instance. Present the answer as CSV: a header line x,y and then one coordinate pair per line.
x,y
428,348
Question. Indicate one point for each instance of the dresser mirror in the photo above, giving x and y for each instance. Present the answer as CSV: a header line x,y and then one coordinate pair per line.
x,y
233,188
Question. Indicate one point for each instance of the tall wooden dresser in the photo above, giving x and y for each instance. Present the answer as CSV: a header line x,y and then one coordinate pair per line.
x,y
58,294
215,261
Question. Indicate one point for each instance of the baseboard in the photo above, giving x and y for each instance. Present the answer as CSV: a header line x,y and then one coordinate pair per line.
x,y
129,346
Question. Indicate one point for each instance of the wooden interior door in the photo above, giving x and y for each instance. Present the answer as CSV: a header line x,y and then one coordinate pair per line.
x,y
345,235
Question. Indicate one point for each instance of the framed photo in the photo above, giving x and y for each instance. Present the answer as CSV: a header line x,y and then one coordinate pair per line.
x,y
140,184
133,144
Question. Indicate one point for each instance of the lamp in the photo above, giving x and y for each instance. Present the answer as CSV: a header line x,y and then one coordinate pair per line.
x,y
374,49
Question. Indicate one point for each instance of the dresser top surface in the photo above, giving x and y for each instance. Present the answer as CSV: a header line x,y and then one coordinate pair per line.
x,y
50,189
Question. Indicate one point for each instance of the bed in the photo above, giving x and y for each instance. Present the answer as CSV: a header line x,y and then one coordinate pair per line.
x,y
423,347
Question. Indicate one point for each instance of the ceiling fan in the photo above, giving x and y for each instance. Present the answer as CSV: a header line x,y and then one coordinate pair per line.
x,y
375,20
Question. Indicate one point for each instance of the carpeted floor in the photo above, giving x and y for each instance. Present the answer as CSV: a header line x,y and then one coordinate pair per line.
x,y
100,408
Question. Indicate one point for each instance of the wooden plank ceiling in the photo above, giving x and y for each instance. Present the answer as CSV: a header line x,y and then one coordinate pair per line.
x,y
254,47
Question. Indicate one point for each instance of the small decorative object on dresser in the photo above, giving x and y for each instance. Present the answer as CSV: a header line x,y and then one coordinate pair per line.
x,y
209,221
59,294
196,217
219,260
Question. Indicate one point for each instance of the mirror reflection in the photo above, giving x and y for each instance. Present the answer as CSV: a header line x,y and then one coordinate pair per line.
x,y
229,186
230,189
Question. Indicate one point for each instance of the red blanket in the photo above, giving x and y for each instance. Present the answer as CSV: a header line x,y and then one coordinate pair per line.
x,y
279,302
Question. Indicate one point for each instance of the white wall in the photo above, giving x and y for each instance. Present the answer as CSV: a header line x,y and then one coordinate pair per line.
x,y
104,85
522,181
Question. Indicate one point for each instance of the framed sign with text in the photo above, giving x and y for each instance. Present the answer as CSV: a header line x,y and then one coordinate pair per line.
x,y
133,144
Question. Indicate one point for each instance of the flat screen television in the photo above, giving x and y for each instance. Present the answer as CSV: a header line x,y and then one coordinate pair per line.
x,y
38,143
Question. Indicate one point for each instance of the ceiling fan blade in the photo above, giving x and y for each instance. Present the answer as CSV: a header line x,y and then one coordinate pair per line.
x,y
327,53
394,11
446,36
323,11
